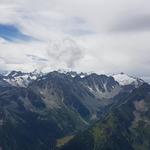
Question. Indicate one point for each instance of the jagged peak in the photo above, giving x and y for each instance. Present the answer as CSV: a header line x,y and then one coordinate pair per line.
x,y
125,79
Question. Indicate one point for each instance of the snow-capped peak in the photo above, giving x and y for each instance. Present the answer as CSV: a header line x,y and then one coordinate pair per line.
x,y
21,79
72,73
36,72
124,79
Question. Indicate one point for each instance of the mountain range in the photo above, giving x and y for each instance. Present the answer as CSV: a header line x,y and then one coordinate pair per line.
x,y
125,127
43,111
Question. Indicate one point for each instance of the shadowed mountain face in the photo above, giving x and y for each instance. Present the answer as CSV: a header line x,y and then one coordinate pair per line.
x,y
36,109
125,127
83,95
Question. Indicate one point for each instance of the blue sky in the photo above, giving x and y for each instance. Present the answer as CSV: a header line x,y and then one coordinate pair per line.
x,y
104,36
12,33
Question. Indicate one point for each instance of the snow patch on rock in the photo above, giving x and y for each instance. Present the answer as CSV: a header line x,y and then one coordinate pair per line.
x,y
124,79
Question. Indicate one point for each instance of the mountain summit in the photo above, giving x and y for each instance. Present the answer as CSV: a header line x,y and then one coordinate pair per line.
x,y
22,79
124,79
37,109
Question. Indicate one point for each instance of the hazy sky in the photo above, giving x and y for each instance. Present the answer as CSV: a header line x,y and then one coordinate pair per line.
x,y
104,36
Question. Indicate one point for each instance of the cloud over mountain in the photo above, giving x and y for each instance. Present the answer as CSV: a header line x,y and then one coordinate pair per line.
x,y
101,36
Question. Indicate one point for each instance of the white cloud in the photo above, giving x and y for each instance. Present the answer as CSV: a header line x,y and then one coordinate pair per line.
x,y
2,65
91,29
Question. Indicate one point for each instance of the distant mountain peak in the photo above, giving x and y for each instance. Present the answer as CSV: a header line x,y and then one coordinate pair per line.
x,y
14,73
21,79
124,79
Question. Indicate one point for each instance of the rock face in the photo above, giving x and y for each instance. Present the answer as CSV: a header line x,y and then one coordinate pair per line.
x,y
36,109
